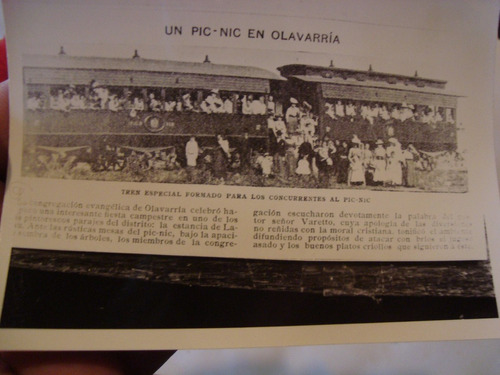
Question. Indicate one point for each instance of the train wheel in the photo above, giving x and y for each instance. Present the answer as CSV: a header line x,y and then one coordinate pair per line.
x,y
154,123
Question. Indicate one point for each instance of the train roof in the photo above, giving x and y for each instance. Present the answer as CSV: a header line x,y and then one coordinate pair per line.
x,y
376,84
330,73
64,61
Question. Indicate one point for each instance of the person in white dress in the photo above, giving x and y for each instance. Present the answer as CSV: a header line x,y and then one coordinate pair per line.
x,y
356,174
394,168
303,167
258,106
192,152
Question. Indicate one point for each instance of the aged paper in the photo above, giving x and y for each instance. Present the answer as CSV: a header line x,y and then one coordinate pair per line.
x,y
327,152
170,139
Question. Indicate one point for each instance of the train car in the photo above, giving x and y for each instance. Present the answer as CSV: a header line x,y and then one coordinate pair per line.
x,y
98,105
101,110
374,105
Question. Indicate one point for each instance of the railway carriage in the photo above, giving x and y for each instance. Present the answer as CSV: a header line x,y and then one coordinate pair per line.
x,y
331,92
100,105
102,110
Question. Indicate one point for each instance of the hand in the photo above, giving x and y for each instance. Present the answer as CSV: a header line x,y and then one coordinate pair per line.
x,y
82,363
4,136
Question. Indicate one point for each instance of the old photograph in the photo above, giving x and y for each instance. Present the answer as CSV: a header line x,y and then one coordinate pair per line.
x,y
194,176
202,122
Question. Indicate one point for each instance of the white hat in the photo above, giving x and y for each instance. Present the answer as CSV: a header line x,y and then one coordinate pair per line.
x,y
294,101
393,140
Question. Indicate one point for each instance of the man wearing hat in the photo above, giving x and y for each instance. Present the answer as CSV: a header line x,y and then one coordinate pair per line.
x,y
246,104
292,116
407,112
323,164
216,103
379,163
271,105
186,102
308,126
212,103
272,133
280,154
279,125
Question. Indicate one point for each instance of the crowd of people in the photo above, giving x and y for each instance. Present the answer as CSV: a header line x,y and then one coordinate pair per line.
x,y
296,152
294,148
98,97
324,163
373,112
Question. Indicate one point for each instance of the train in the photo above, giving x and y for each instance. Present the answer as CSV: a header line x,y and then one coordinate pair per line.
x,y
99,105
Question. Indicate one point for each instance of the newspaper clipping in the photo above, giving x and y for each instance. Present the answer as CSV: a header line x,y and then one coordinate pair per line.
x,y
204,166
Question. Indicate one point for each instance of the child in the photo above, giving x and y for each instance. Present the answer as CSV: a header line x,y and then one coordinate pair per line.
x,y
303,167
266,164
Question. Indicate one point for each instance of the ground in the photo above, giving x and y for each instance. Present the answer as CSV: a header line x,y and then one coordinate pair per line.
x,y
437,180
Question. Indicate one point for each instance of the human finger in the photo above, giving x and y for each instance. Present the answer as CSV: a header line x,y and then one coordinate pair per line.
x,y
4,128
